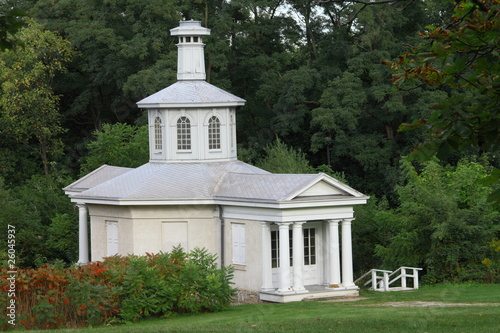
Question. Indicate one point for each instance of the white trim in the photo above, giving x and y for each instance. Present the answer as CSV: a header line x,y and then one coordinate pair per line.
x,y
275,207
190,105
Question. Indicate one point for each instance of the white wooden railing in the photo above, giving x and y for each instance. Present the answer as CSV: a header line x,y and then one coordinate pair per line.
x,y
381,279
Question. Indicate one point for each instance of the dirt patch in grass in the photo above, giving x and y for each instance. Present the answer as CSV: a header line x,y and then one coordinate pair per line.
x,y
418,304
340,299
422,304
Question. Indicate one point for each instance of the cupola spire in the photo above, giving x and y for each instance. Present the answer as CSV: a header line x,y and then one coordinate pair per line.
x,y
190,58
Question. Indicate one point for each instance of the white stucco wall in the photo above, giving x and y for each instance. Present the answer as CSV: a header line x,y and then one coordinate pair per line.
x,y
140,228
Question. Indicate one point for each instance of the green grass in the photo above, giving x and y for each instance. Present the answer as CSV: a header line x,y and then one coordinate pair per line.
x,y
360,316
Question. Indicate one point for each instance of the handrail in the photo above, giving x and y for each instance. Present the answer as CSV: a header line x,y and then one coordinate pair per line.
x,y
384,282
369,272
404,275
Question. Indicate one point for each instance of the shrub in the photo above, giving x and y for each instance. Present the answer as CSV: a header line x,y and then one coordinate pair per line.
x,y
119,289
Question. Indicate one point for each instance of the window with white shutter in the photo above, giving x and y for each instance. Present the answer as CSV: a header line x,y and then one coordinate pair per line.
x,y
239,244
112,237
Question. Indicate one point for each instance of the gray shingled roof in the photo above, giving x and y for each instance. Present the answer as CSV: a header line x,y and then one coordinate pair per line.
x,y
190,93
169,181
96,177
194,181
275,187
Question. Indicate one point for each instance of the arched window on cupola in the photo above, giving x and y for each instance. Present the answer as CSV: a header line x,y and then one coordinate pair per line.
x,y
158,134
183,134
214,133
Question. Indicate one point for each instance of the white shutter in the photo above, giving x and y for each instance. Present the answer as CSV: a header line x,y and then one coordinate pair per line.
x,y
112,236
239,244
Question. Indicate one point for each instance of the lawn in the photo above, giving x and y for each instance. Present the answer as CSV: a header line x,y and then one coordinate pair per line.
x,y
373,314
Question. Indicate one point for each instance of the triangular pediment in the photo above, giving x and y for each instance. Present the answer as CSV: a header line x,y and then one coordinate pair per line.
x,y
324,187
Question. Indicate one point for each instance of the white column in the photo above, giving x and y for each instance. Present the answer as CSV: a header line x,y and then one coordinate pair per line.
x,y
285,285
267,274
83,238
347,274
334,254
298,257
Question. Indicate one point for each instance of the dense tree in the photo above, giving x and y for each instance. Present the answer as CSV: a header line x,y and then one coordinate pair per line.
x,y
462,55
355,126
115,39
27,225
44,220
10,23
444,224
119,145
263,42
28,106
281,158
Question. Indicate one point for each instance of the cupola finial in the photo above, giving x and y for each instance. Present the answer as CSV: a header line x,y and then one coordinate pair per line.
x,y
190,57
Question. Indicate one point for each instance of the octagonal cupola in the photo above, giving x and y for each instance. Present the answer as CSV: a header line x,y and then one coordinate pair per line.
x,y
191,120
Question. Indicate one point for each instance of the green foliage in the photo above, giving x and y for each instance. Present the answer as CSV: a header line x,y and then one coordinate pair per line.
x,y
119,43
10,23
203,286
44,218
119,145
283,159
341,105
374,225
63,236
295,96
463,56
28,105
444,224
27,224
120,289
354,127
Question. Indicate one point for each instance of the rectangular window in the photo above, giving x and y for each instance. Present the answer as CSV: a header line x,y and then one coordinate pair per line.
x,y
275,248
112,237
239,244
310,246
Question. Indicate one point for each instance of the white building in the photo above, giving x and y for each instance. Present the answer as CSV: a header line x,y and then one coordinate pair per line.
x,y
287,235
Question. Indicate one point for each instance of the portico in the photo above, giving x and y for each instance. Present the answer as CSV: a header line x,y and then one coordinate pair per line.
x,y
320,249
